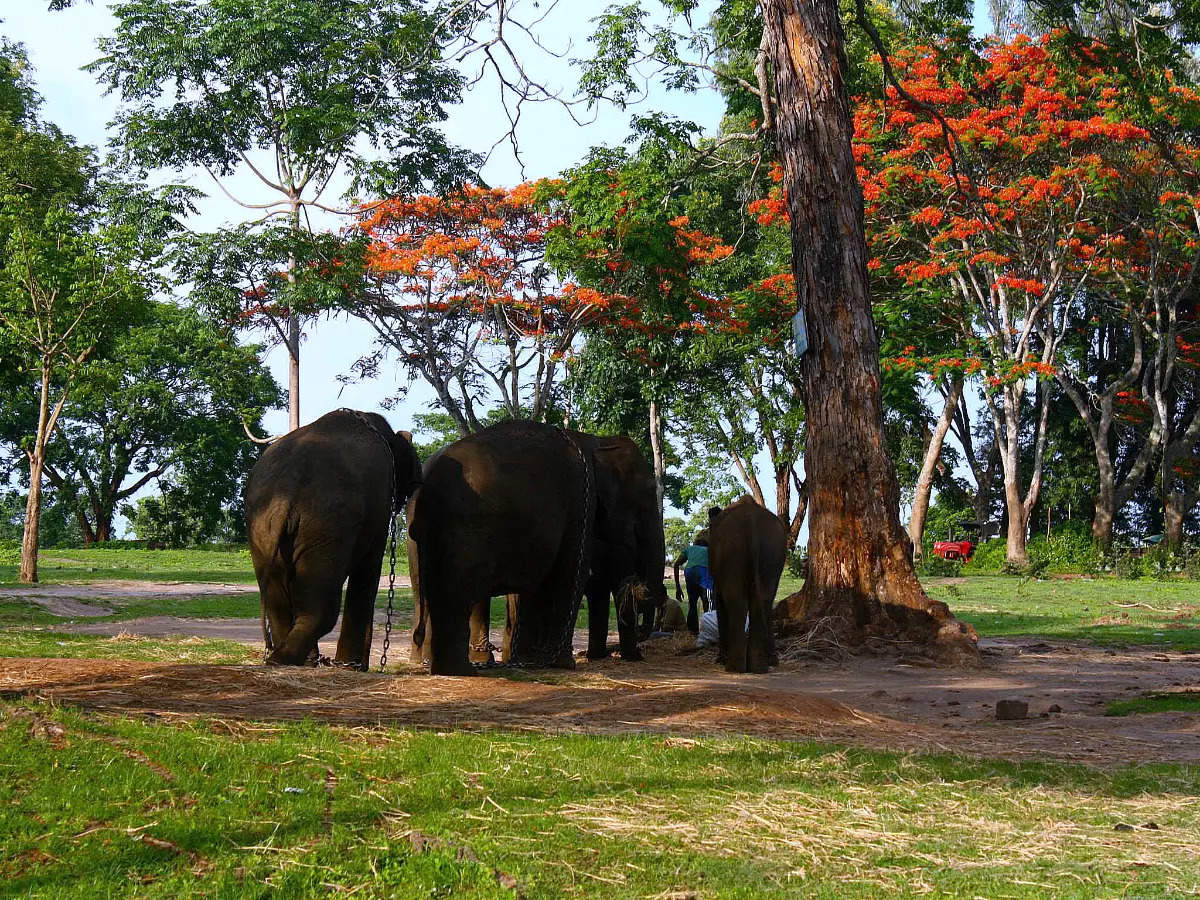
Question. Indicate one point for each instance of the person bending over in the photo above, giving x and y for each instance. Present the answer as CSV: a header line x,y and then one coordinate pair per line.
x,y
694,559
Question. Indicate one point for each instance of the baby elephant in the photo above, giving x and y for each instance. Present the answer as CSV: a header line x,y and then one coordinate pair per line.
x,y
747,548
318,510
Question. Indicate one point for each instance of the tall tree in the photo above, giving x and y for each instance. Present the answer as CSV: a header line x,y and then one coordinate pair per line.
x,y
167,404
66,289
627,243
288,92
861,578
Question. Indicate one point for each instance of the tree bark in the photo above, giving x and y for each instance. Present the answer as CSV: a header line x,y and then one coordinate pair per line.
x,y
293,335
293,347
656,450
33,520
861,583
933,453
33,503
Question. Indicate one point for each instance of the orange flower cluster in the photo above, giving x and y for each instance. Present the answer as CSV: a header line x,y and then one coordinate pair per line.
x,y
476,247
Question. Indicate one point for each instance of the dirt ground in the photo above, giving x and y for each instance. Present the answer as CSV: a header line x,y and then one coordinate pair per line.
x,y
867,700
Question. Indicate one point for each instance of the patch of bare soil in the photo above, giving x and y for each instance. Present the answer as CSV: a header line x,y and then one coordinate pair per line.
x,y
870,701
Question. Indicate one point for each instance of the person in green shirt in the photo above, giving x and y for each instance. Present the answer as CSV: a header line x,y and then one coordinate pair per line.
x,y
694,559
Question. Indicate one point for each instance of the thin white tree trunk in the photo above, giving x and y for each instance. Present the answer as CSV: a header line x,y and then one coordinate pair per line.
x,y
916,524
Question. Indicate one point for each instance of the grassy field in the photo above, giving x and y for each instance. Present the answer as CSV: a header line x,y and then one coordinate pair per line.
x,y
1104,611
229,809
235,809
104,564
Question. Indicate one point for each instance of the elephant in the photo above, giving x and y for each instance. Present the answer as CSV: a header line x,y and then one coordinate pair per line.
x,y
507,510
319,503
628,547
747,549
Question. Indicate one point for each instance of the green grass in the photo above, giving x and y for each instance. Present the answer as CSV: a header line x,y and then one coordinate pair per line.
x,y
36,642
93,806
107,564
1104,611
1175,701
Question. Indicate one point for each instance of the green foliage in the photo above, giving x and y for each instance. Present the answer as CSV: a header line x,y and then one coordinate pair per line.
x,y
211,83
933,566
59,525
170,520
797,564
167,404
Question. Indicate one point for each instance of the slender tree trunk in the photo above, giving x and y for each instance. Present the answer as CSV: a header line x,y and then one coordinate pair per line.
x,y
293,337
861,583
1007,425
293,347
33,521
33,503
656,450
916,524
1106,500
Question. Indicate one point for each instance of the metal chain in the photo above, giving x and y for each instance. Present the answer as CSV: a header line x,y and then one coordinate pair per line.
x,y
267,637
391,595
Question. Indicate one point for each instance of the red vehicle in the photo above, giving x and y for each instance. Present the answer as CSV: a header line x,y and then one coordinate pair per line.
x,y
963,548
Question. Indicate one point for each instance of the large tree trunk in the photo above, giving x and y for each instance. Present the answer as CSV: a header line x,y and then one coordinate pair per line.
x,y
933,453
1175,509
861,583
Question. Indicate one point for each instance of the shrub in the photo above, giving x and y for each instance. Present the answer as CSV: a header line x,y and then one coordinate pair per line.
x,y
1128,564
933,566
798,563
988,558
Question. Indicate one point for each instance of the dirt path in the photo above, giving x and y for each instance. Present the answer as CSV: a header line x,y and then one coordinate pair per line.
x,y
868,701
71,599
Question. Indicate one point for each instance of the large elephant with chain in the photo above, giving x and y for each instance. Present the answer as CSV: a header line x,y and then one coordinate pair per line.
x,y
623,557
318,507
508,510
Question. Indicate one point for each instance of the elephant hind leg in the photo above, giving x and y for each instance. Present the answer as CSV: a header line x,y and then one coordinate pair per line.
x,y
276,605
315,602
760,646
481,633
598,604
354,642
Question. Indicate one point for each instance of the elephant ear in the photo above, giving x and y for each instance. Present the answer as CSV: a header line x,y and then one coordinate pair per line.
x,y
608,481
408,464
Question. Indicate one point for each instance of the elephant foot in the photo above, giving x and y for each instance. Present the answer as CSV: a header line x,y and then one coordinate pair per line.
x,y
456,667
598,652
482,656
634,655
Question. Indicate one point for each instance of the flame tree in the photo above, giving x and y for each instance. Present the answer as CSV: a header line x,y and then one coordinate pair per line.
x,y
1040,214
459,293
